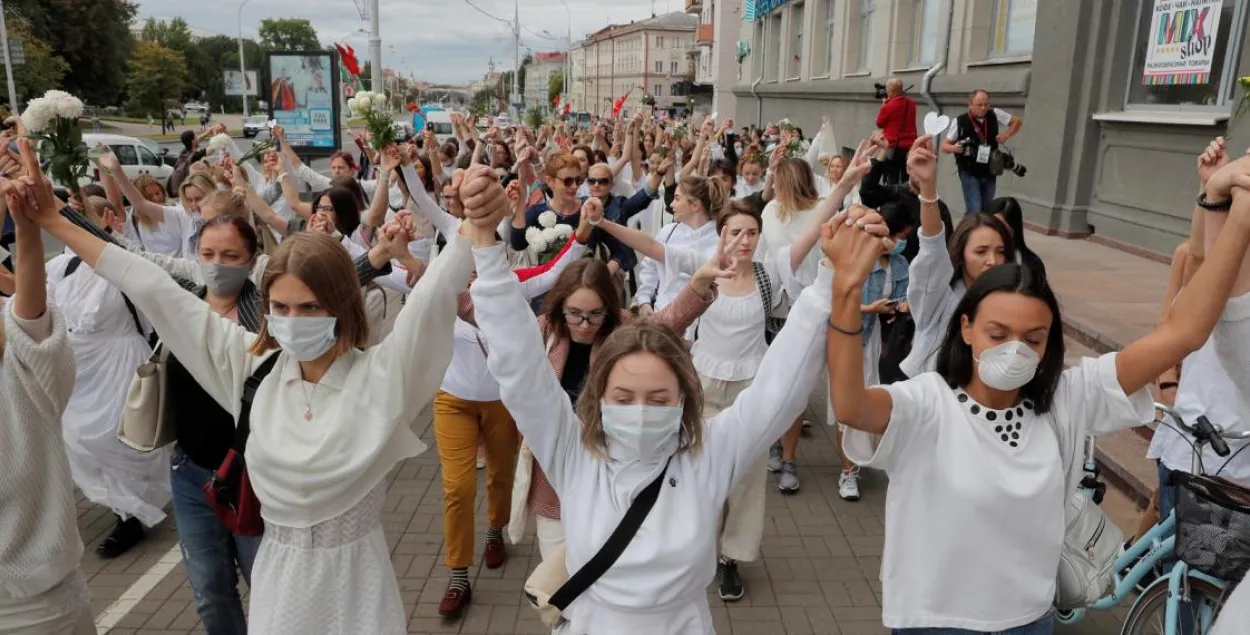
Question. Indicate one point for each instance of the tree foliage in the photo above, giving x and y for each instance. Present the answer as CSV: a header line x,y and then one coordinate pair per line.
x,y
91,36
555,86
483,103
157,74
41,71
288,34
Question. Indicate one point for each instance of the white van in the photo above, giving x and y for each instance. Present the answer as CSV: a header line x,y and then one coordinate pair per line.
x,y
441,120
135,155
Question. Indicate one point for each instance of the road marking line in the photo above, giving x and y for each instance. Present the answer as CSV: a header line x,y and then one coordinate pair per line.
x,y
137,591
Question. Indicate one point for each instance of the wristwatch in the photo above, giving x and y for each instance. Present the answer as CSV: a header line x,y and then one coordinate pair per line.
x,y
1213,206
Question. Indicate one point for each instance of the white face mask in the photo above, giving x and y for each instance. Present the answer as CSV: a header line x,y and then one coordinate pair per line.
x,y
1008,366
642,433
304,338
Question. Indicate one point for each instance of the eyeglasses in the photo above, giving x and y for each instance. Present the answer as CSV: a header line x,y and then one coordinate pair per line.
x,y
325,208
577,318
572,181
593,181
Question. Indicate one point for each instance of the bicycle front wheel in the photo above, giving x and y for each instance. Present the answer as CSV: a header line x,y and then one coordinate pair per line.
x,y
1195,617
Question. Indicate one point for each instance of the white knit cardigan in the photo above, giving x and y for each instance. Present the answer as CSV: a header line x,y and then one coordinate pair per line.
x,y
39,542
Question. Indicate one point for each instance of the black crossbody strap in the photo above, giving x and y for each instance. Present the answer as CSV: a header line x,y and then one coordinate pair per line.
x,y
244,426
766,288
612,549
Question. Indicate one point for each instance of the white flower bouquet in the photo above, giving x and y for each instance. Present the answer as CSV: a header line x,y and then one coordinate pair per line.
x,y
549,238
375,109
52,122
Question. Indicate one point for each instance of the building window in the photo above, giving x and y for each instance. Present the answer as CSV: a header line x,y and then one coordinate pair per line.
x,y
862,52
659,90
772,46
925,24
822,45
795,64
672,68
1011,27
659,41
659,67
1186,90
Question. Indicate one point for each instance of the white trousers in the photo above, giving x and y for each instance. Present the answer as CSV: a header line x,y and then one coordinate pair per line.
x,y
62,610
742,526
550,535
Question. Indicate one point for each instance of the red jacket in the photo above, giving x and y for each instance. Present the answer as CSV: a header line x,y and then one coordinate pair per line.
x,y
897,119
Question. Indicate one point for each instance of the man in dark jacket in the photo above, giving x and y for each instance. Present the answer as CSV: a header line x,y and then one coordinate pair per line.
x,y
872,193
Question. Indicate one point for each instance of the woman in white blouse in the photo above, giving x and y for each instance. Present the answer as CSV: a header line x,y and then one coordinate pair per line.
x,y
939,276
332,419
641,406
42,590
976,452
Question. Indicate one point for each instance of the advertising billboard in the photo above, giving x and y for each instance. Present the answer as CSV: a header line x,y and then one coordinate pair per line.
x,y
237,84
303,100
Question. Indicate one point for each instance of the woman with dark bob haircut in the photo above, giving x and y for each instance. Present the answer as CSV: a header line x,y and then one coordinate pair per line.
x,y
983,453
1007,209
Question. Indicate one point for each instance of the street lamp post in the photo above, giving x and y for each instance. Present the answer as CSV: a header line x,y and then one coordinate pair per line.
x,y
242,59
568,54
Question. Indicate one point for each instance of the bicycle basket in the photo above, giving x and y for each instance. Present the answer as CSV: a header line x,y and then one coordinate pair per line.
x,y
1212,525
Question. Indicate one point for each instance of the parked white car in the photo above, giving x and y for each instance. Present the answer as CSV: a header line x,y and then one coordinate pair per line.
x,y
136,156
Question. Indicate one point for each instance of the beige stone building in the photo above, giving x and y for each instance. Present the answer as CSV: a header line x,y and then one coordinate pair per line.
x,y
637,59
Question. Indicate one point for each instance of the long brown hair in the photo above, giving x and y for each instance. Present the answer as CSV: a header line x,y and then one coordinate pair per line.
x,y
795,188
142,183
709,191
322,264
642,337
588,273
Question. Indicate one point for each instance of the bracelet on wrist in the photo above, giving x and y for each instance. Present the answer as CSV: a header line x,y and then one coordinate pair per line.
x,y
843,331
928,201
1213,206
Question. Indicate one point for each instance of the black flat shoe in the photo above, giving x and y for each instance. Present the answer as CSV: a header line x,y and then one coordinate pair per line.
x,y
125,536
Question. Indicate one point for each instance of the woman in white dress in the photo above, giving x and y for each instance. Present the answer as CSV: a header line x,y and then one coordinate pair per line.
x,y
333,419
110,341
983,453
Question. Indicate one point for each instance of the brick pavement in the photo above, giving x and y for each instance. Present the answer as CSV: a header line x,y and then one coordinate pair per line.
x,y
818,573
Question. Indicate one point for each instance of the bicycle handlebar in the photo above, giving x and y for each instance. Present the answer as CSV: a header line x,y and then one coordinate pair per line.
x,y
1204,431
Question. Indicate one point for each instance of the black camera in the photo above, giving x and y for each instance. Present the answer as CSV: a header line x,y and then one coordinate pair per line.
x,y
879,90
1010,164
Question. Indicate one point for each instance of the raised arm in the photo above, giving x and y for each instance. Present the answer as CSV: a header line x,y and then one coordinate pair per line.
x,y
421,203
149,210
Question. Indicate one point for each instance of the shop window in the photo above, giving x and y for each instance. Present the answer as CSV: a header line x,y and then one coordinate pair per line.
x,y
1182,74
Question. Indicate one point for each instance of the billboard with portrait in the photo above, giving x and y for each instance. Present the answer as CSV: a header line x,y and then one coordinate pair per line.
x,y
303,101
238,84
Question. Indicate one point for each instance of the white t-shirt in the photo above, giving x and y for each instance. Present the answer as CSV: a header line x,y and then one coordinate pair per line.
x,y
171,237
467,376
1003,117
975,506
1231,335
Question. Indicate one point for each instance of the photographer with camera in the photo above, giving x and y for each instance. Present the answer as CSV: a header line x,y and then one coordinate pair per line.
x,y
897,121
974,139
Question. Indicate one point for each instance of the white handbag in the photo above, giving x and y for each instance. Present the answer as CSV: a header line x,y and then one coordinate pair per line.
x,y
547,578
1091,542
144,425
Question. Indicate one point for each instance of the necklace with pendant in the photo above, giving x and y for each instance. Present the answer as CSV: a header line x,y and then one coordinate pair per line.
x,y
308,413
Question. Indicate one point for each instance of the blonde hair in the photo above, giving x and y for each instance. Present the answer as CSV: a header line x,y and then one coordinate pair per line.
x,y
322,264
200,182
642,337
142,183
794,187
227,202
94,209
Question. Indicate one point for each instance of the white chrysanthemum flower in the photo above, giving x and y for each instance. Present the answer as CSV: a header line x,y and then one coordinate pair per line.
x,y
539,245
219,142
549,234
351,104
364,103
547,219
65,104
532,235
38,115
563,231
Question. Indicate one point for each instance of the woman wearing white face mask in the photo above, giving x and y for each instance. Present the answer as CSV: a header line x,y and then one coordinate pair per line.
x,y
639,419
330,422
983,453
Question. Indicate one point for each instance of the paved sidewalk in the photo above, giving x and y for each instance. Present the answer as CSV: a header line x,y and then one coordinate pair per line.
x,y
818,574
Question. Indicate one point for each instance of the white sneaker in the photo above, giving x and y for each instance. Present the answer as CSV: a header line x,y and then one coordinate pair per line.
x,y
848,485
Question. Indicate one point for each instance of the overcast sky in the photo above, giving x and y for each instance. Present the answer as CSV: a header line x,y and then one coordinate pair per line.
x,y
436,40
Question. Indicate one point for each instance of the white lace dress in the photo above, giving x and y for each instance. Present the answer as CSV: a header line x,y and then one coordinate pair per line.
x,y
107,349
345,559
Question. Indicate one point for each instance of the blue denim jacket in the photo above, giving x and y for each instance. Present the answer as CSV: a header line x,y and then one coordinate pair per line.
x,y
876,282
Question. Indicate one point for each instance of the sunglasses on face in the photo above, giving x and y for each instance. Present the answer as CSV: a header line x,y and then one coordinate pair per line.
x,y
572,181
577,318
594,181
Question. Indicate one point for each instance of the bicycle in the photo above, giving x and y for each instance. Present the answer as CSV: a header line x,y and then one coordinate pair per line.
x,y
1202,593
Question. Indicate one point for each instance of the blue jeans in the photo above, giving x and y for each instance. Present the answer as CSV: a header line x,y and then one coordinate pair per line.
x,y
978,191
1043,626
1167,493
210,553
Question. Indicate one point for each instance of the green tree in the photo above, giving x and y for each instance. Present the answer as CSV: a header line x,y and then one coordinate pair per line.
x,y
157,74
288,34
203,71
483,103
555,86
92,36
40,72
534,118
224,51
